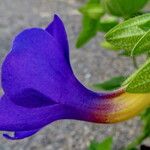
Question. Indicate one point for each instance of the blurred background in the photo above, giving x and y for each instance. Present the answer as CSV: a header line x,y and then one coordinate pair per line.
x,y
90,63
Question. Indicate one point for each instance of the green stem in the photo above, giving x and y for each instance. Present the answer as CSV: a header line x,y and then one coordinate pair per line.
x,y
148,55
136,142
135,62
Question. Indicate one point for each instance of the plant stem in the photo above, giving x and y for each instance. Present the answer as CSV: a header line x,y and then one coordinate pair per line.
x,y
148,55
135,62
136,142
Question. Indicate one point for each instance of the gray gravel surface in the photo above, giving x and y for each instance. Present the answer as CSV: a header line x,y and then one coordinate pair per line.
x,y
91,64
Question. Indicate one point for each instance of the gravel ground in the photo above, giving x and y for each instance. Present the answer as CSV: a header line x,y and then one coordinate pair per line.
x,y
91,64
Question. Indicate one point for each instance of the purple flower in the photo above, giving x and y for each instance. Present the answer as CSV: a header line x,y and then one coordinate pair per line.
x,y
40,87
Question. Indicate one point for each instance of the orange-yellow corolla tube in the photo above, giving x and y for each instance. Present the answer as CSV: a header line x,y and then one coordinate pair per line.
x,y
120,106
128,105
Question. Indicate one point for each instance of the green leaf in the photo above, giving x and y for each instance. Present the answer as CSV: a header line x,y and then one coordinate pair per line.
x,y
111,84
145,132
123,7
139,82
109,46
124,53
128,33
88,31
106,144
107,23
93,11
145,116
93,1
143,45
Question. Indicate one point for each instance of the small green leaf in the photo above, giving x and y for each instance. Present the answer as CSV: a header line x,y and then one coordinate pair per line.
x,y
139,82
106,144
111,84
145,116
123,7
107,23
145,132
128,33
143,45
93,11
93,1
88,31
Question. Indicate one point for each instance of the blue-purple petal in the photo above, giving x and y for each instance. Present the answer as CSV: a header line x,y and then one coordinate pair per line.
x,y
39,84
57,30
20,134
36,62
18,118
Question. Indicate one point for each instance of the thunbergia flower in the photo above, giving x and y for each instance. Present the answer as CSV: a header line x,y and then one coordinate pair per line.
x,y
40,87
